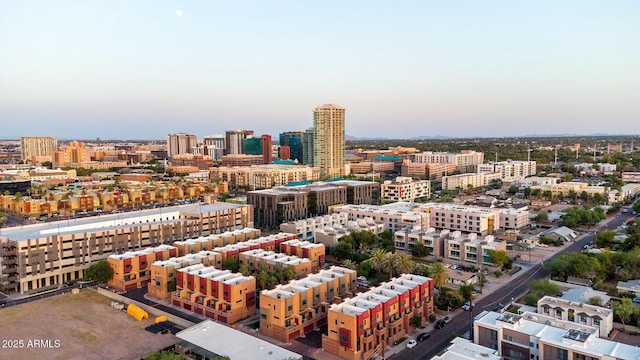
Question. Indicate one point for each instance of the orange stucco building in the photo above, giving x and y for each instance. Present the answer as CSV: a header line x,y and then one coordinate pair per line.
x,y
131,270
305,249
163,273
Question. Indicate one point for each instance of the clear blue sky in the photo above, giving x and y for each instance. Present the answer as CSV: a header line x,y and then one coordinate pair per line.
x,y
121,69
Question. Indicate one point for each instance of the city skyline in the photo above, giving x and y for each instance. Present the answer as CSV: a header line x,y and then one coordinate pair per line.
x,y
122,70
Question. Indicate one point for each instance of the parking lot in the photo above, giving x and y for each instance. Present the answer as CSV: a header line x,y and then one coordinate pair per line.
x,y
65,326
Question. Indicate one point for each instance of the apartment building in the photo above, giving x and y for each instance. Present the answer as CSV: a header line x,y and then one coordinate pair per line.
x,y
269,243
469,248
534,336
272,261
42,256
577,312
74,152
428,171
463,349
297,308
456,217
192,246
536,181
37,149
163,272
181,144
392,219
466,161
241,160
305,228
359,328
331,235
429,237
513,219
328,140
217,294
264,176
509,170
565,188
360,192
630,177
131,270
198,161
314,252
468,180
405,189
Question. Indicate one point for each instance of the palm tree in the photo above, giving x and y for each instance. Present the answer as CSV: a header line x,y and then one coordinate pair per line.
x,y
403,263
349,264
376,259
440,274
388,264
262,278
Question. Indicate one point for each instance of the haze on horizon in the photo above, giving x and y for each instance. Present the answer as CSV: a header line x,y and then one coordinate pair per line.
x,y
136,70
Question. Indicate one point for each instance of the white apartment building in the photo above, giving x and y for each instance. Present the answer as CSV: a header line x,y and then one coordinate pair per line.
x,y
578,187
405,189
536,181
469,248
513,219
467,180
577,312
509,170
330,236
465,161
456,217
430,238
392,219
629,176
538,337
305,228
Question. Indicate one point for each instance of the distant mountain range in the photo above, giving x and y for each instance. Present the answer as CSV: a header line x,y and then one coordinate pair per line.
x,y
443,137
435,137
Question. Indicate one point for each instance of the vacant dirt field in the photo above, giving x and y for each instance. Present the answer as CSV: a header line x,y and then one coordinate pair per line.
x,y
82,326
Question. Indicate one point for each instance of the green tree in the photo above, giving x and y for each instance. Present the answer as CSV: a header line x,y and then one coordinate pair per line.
x,y
624,309
542,217
419,250
343,250
99,272
244,270
231,264
498,257
349,264
3,220
403,264
605,239
262,278
466,291
165,355
513,189
540,288
440,274
377,258
416,321
595,301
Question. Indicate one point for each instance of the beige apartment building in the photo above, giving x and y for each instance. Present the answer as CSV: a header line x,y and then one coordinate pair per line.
x,y
509,170
43,256
392,219
305,228
301,306
264,176
328,140
331,235
37,149
466,161
427,171
565,188
577,312
163,272
463,218
208,242
468,180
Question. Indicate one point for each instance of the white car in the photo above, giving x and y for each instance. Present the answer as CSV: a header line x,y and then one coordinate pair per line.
x,y
411,344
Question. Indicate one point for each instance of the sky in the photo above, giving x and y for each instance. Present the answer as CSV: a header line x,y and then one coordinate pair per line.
x,y
122,69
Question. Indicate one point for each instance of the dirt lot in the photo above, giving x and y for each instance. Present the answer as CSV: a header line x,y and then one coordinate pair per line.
x,y
82,326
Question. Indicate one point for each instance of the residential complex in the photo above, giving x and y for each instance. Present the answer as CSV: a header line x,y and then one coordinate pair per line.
x,y
217,294
297,308
468,181
534,336
209,242
509,170
256,177
360,327
392,219
405,189
578,312
328,140
466,161
163,272
241,160
330,235
42,256
305,228
131,269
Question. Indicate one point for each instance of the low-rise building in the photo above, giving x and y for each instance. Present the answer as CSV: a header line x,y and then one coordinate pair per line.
x,y
131,269
331,235
272,261
192,246
314,252
217,294
305,228
297,308
392,219
163,272
533,336
360,327
578,312
631,286
457,217
509,170
463,349
264,176
468,181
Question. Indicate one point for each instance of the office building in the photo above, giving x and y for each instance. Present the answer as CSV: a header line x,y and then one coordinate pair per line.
x,y
267,152
234,139
361,327
181,144
328,140
307,147
292,140
37,149
297,308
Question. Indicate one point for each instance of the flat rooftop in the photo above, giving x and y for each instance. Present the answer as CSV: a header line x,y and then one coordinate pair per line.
x,y
222,340
112,221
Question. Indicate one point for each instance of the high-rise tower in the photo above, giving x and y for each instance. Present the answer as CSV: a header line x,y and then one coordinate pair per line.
x,y
328,140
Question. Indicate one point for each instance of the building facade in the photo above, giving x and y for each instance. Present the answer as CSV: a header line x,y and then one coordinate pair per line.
x,y
393,219
328,140
37,149
405,189
293,140
131,270
509,170
163,272
258,177
181,144
466,161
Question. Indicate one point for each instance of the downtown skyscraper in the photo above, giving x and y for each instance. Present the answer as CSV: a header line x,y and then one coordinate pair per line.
x,y
328,140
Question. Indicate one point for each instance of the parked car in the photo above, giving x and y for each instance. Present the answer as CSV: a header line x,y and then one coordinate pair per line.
x,y
411,344
447,319
440,324
423,337
636,300
466,306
